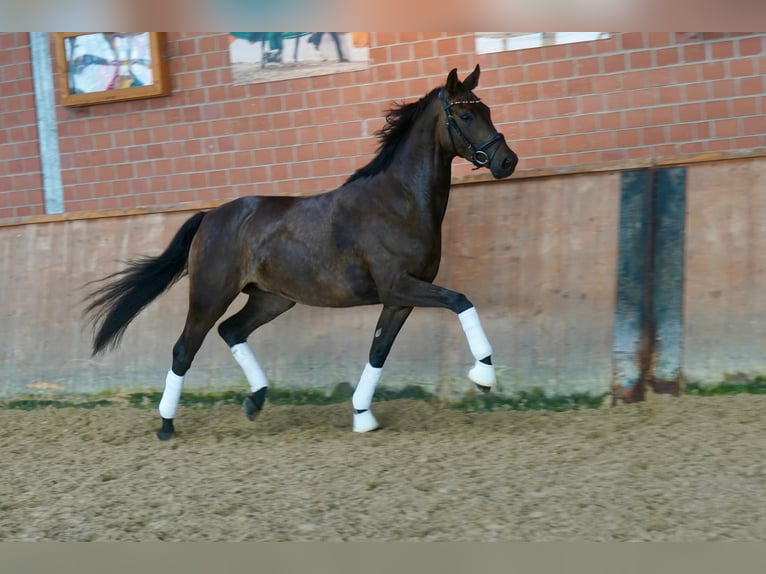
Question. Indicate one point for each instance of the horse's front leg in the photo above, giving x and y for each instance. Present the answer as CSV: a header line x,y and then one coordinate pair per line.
x,y
409,291
388,327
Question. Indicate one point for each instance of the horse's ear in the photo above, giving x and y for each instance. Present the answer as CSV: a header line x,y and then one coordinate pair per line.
x,y
472,80
453,84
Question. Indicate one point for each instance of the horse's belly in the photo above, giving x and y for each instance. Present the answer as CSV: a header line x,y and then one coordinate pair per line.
x,y
335,284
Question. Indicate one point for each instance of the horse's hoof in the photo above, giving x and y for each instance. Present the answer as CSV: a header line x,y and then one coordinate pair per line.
x,y
253,403
364,421
483,388
482,375
167,430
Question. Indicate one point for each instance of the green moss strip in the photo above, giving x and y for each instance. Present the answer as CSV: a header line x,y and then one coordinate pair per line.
x,y
756,386
29,404
534,399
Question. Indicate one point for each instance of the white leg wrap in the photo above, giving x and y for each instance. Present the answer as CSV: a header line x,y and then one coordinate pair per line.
x,y
477,339
366,387
364,422
481,373
171,395
253,371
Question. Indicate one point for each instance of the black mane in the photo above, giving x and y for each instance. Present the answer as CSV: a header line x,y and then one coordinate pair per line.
x,y
399,120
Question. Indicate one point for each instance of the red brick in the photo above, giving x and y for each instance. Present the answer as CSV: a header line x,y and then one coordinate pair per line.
x,y
744,106
586,66
534,110
692,147
591,103
667,56
681,132
635,118
639,60
527,92
530,55
698,91
662,115
610,120
653,135
716,109
693,53
561,106
552,90
627,138
741,67
560,160
578,86
602,140
576,142
643,98
754,125
613,63
657,39
659,77
722,50
726,128
550,145
749,142
702,130
713,70
633,80
750,86
558,126
722,89
750,46
669,94
583,123
564,69
432,67
537,72
605,83
633,40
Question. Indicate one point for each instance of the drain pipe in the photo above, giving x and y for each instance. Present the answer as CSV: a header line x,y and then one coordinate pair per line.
x,y
45,107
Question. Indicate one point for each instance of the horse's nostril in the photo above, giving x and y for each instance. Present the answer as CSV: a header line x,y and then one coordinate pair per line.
x,y
510,162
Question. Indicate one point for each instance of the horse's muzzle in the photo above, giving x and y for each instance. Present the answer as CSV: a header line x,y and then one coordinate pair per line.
x,y
503,162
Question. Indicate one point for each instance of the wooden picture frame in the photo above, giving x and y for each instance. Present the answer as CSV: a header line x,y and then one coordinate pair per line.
x,y
105,67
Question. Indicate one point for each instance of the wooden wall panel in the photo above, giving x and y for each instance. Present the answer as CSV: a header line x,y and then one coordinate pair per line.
x,y
725,284
537,257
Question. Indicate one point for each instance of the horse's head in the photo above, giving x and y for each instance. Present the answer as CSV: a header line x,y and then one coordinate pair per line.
x,y
469,128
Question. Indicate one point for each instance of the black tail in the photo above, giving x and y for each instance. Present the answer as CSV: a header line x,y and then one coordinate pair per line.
x,y
113,306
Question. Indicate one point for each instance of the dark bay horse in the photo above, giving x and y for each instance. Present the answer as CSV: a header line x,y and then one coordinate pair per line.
x,y
374,240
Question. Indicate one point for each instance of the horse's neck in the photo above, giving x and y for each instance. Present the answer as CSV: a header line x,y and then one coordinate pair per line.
x,y
423,170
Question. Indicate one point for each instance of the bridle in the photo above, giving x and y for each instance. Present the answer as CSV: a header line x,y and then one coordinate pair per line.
x,y
479,156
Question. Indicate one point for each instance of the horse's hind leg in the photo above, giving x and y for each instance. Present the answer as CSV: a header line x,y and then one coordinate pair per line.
x,y
200,318
388,327
259,309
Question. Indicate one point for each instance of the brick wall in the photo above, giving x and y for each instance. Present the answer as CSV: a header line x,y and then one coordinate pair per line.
x,y
20,179
634,96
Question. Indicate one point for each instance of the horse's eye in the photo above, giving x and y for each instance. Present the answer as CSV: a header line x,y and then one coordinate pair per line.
x,y
466,117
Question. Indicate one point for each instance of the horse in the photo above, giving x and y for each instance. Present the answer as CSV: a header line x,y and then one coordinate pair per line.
x,y
375,240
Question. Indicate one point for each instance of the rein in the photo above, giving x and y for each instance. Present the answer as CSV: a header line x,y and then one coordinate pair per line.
x,y
479,156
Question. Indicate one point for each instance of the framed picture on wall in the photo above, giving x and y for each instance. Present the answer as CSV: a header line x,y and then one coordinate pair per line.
x,y
270,56
104,67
